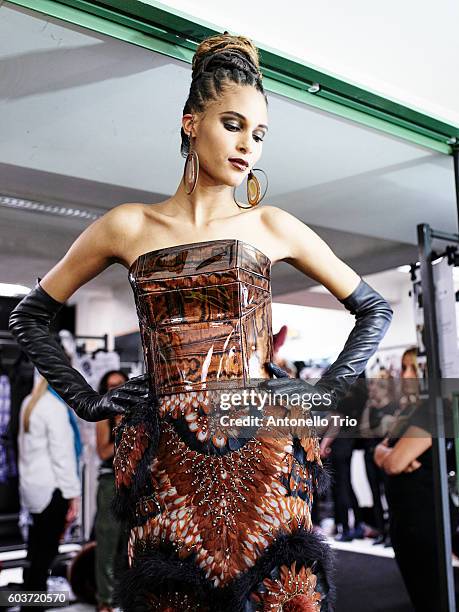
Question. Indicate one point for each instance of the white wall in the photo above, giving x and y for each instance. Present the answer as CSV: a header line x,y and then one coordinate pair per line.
x,y
406,51
108,312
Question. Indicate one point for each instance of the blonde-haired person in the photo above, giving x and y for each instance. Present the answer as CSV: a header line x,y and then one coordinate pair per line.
x,y
218,521
49,483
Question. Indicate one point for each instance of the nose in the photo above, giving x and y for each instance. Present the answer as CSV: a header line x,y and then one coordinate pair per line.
x,y
244,144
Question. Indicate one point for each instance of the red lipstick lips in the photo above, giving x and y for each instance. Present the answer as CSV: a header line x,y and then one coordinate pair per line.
x,y
239,163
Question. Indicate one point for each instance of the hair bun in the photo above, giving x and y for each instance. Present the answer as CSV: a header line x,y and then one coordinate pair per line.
x,y
226,51
219,61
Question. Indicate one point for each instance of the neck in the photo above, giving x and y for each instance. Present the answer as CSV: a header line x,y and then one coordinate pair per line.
x,y
205,204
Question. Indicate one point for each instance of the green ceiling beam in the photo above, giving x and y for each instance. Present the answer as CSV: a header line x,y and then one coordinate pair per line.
x,y
165,30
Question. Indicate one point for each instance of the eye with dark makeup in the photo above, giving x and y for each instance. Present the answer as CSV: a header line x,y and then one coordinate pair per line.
x,y
231,127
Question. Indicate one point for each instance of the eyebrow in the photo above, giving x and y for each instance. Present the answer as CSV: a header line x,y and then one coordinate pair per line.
x,y
242,117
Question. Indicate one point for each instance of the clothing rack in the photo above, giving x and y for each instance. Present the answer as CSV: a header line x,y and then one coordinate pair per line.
x,y
103,338
427,255
15,356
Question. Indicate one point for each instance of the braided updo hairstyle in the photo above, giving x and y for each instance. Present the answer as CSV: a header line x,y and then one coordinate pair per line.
x,y
218,61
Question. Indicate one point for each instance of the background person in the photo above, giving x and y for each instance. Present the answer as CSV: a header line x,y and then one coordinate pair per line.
x,y
378,417
407,463
108,530
342,447
49,484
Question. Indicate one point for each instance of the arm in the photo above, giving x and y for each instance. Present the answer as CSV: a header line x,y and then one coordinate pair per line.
x,y
105,446
327,441
72,512
381,452
307,252
101,244
399,458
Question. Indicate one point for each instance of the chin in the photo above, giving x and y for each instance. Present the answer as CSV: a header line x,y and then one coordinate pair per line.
x,y
234,179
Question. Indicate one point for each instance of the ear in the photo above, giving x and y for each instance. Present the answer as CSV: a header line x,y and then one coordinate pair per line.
x,y
189,123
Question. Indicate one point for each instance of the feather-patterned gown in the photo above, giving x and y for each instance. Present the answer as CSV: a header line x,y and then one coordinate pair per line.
x,y
220,515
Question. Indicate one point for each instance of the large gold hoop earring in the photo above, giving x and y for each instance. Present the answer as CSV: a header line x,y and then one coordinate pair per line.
x,y
254,196
191,170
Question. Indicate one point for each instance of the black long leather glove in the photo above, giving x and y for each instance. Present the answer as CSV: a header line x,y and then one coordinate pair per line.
x,y
373,316
30,324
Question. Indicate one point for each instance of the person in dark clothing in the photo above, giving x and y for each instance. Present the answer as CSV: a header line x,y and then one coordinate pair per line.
x,y
409,487
342,448
344,497
108,531
407,463
378,417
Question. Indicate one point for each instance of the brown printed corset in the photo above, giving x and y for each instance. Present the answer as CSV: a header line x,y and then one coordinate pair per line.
x,y
205,315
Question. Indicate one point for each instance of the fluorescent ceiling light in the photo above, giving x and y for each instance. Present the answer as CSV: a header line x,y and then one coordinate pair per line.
x,y
49,209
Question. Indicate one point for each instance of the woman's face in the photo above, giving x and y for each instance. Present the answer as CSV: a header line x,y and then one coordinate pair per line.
x,y
233,126
409,375
115,380
409,369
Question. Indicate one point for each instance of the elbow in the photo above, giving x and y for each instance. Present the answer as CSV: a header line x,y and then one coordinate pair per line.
x,y
381,308
386,310
365,302
381,313
14,321
384,313
21,320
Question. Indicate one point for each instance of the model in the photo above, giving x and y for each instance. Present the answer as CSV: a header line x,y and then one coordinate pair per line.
x,y
220,516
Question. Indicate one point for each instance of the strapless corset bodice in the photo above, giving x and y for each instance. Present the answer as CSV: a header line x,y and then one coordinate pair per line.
x,y
205,315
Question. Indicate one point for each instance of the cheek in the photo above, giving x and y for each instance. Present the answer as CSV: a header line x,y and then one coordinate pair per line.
x,y
212,147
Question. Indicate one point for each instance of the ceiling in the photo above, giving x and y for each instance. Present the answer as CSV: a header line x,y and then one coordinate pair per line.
x,y
88,121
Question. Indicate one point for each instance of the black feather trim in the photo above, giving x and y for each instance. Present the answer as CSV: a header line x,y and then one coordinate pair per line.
x,y
124,502
161,569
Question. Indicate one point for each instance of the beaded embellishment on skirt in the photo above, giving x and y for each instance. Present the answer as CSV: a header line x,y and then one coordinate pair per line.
x,y
219,520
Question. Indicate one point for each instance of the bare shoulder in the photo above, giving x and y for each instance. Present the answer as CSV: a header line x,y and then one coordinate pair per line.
x,y
124,226
102,243
124,219
273,215
286,229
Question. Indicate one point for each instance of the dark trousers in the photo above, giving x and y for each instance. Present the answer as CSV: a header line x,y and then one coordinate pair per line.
x,y
414,540
343,493
43,544
109,536
376,482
